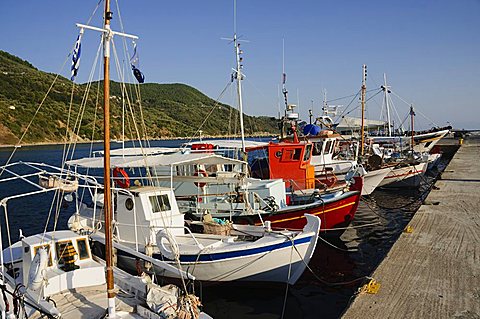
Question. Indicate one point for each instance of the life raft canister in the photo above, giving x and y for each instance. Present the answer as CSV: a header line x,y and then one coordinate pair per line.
x,y
121,178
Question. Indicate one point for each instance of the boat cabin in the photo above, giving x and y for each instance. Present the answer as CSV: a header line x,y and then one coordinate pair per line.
x,y
145,208
65,263
286,160
325,146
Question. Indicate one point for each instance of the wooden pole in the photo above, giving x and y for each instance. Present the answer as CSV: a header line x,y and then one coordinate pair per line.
x,y
106,163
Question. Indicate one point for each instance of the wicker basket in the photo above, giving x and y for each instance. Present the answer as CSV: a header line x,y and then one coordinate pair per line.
x,y
216,229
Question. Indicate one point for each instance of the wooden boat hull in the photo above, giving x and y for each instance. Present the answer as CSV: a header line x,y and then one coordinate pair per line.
x,y
335,214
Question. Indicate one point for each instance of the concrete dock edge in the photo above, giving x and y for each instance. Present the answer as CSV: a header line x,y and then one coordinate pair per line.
x,y
434,272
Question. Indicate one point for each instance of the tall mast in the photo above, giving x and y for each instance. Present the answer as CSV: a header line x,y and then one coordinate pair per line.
x,y
412,114
239,78
238,73
284,92
386,90
106,161
107,35
364,90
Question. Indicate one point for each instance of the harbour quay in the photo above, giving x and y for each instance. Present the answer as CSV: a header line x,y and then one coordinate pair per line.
x,y
433,270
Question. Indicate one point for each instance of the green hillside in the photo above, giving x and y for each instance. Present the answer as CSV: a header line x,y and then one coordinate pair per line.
x,y
169,110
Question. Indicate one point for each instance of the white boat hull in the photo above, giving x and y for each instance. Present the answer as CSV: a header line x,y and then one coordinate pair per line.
x,y
407,176
373,178
270,258
433,160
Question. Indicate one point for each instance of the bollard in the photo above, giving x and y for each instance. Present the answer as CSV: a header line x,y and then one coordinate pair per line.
x,y
460,141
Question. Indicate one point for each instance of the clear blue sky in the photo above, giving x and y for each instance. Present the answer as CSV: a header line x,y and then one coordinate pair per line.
x,y
429,49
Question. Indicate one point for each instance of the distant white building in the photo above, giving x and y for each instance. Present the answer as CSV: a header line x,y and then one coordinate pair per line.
x,y
349,125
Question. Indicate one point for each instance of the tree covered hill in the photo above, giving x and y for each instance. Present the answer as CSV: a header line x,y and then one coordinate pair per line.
x,y
168,110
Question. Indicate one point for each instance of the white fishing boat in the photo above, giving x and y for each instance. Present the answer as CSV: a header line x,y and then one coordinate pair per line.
x,y
405,175
148,220
54,274
373,179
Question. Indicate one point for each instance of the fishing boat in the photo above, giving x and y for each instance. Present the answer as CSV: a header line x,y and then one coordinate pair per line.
x,y
281,183
148,221
54,274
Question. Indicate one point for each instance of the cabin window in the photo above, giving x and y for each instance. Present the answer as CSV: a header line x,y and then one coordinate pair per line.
x,y
287,155
83,248
129,204
66,255
48,252
308,152
333,147
65,252
160,203
327,147
297,153
317,148
292,154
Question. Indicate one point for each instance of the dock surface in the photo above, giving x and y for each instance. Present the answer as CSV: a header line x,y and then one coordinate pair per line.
x,y
434,272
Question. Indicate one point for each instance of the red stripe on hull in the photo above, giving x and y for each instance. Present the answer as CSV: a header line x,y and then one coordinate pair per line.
x,y
336,214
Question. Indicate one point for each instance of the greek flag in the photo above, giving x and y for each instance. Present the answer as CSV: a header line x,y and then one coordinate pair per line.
x,y
134,63
76,57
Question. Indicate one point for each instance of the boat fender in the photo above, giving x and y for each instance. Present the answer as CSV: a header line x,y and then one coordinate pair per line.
x,y
37,268
121,177
201,173
164,238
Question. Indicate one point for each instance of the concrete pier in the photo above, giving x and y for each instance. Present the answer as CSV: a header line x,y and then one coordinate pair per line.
x,y
434,272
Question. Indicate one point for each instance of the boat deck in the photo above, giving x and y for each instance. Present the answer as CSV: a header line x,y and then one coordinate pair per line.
x,y
90,302
434,272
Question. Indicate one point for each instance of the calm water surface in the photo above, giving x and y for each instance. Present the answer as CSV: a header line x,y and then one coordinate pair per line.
x,y
338,267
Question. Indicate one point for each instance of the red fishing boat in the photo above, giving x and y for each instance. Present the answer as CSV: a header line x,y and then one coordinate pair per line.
x,y
335,203
289,159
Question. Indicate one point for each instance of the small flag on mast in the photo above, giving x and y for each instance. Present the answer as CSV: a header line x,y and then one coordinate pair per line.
x,y
134,63
76,56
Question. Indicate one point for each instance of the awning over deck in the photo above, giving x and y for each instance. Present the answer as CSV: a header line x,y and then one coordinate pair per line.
x,y
175,159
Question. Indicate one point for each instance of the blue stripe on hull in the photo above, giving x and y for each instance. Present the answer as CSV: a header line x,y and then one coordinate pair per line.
x,y
237,253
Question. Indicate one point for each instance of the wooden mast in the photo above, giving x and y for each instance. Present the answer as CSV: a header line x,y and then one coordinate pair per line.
x,y
106,162
364,89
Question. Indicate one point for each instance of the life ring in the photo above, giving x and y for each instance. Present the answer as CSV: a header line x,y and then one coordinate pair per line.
x,y
202,173
37,267
164,238
121,177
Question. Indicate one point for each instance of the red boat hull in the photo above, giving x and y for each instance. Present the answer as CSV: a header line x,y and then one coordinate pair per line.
x,y
336,213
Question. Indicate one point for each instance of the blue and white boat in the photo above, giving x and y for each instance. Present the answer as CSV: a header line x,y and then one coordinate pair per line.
x,y
147,220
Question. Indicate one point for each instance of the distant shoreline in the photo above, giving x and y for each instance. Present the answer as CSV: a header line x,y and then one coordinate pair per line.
x,y
7,146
